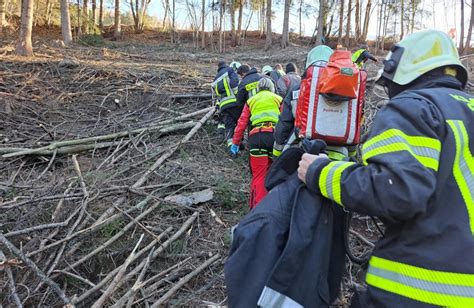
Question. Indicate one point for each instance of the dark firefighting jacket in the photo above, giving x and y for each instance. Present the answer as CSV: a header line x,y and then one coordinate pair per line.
x,y
289,250
248,86
286,122
418,177
225,87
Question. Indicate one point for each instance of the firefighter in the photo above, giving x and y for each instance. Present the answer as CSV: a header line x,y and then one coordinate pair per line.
x,y
288,81
284,130
417,175
261,111
362,55
274,74
225,87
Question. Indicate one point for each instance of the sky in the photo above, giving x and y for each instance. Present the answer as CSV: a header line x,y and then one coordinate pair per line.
x,y
446,16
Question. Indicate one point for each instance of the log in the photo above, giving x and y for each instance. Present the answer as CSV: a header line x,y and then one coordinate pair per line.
x,y
191,95
62,146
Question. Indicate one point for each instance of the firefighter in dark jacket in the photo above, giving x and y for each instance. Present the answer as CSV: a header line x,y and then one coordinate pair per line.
x,y
284,130
362,55
225,88
288,81
417,176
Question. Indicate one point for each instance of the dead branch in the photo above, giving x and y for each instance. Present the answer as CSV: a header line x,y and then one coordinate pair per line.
x,y
117,236
129,296
34,268
99,303
11,282
78,145
137,269
184,280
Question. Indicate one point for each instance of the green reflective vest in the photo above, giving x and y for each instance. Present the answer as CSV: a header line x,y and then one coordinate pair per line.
x,y
264,107
355,57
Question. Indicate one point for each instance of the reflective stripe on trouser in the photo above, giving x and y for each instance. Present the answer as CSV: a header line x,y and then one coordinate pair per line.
x,y
424,149
271,298
424,285
463,167
330,180
260,161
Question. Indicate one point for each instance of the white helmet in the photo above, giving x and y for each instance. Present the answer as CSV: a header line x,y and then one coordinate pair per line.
x,y
266,69
235,65
266,84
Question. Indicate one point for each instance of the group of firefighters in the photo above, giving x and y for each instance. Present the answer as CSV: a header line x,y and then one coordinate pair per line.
x,y
417,169
264,102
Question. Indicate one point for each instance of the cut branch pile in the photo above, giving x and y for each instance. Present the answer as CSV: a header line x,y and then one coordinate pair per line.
x,y
106,226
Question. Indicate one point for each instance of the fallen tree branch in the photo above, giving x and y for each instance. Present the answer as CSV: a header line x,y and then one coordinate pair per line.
x,y
11,282
34,268
138,268
99,303
117,236
83,144
184,280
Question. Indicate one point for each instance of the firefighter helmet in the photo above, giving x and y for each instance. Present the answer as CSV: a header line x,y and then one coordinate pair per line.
x,y
418,54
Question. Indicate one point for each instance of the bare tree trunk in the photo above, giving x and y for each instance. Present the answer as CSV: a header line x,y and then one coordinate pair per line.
x,y
221,23
268,41
166,7
24,46
285,37
117,22
401,19
66,22
2,14
134,15
173,30
262,18
357,21
94,12
300,17
203,22
239,22
365,30
341,20
85,17
232,23
319,35
348,25
469,31
79,19
101,14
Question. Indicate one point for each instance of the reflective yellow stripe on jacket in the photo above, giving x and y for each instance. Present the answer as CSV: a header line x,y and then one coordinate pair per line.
x,y
229,92
424,285
330,180
424,149
463,167
251,88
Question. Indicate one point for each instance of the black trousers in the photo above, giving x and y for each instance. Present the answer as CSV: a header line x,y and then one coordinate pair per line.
x,y
230,116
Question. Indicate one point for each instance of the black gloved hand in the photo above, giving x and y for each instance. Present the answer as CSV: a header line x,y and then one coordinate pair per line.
x,y
314,147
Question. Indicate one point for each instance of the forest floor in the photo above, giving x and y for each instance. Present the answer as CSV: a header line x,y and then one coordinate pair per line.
x,y
100,216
